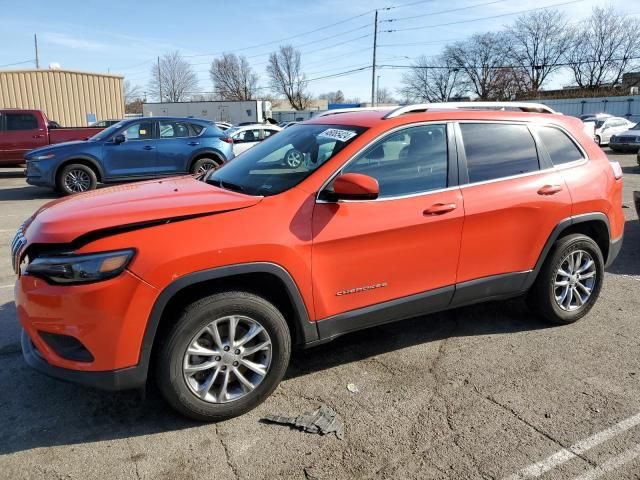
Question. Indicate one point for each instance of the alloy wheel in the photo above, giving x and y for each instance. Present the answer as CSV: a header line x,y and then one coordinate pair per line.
x,y
574,280
294,158
227,359
204,168
77,181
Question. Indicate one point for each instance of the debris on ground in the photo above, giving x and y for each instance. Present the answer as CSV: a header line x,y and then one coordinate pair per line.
x,y
353,388
323,421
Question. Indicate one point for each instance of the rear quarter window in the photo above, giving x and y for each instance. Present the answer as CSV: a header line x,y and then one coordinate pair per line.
x,y
495,150
560,147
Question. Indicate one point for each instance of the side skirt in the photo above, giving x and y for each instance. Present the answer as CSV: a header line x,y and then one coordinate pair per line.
x,y
484,289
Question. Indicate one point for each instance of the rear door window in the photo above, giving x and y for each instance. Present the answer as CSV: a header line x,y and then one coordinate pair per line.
x,y
559,146
496,150
20,121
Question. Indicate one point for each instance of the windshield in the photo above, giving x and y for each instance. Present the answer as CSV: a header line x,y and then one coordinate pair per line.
x,y
284,160
107,132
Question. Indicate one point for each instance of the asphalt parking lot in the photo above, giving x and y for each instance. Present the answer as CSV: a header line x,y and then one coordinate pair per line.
x,y
488,391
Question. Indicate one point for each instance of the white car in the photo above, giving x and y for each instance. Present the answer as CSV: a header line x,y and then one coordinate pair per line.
x,y
247,136
606,127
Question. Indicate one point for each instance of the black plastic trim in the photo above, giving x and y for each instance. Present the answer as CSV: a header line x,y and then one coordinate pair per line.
x,y
489,288
123,379
386,312
81,158
66,346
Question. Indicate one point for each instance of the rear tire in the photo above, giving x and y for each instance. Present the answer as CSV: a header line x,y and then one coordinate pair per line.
x,y
569,281
203,165
598,140
201,393
76,178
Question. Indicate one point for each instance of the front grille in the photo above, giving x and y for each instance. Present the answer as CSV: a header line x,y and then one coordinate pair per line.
x,y
17,246
627,139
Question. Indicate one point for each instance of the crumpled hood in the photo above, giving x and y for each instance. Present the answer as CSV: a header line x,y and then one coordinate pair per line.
x,y
66,219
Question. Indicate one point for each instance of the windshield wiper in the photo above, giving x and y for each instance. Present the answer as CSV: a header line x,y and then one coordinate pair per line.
x,y
226,185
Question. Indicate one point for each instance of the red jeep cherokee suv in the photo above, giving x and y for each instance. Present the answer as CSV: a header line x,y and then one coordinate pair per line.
x,y
337,224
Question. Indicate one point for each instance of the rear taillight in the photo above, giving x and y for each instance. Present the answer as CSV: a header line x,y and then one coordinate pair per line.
x,y
617,170
226,139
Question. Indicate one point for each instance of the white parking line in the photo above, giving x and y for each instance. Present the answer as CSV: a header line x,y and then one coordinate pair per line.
x,y
6,286
611,464
566,454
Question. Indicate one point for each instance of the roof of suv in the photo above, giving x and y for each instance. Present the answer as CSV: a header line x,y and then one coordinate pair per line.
x,y
370,118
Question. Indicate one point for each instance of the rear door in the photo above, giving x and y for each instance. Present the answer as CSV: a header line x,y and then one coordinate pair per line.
x,y
178,141
136,156
404,243
19,133
513,199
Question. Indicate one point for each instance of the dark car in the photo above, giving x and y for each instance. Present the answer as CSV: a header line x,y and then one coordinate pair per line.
x,y
133,149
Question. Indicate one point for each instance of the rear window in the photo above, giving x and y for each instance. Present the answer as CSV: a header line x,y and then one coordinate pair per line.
x,y
21,121
560,147
498,150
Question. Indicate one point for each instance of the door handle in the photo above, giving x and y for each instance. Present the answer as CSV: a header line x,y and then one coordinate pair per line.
x,y
550,190
193,144
38,136
148,147
440,209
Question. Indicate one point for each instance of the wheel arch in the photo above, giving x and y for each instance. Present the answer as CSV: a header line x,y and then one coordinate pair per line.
x,y
262,278
595,225
82,160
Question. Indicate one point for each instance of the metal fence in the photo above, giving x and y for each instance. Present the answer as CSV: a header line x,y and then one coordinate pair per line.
x,y
627,107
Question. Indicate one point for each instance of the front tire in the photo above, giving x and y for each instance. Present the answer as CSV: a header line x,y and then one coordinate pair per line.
x,y
599,140
76,178
224,356
570,280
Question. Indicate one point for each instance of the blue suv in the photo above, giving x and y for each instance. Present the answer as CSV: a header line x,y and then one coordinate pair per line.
x,y
133,149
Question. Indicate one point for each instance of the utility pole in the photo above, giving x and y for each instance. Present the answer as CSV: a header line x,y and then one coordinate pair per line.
x,y
35,41
373,72
159,80
378,89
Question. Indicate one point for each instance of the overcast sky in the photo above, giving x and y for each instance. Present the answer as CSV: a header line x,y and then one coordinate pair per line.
x,y
125,37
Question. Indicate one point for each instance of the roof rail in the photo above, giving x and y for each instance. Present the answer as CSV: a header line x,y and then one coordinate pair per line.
x,y
423,107
336,111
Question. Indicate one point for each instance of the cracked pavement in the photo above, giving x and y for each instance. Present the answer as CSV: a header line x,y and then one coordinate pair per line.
x,y
480,392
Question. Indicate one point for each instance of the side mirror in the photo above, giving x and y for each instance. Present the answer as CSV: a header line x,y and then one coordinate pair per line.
x,y
119,138
355,186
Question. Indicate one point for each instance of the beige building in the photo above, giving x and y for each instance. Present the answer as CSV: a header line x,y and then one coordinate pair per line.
x,y
66,96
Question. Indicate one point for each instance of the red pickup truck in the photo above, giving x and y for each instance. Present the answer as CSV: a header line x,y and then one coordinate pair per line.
x,y
24,130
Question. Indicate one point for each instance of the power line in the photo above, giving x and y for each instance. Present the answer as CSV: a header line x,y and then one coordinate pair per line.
x,y
483,18
443,11
17,63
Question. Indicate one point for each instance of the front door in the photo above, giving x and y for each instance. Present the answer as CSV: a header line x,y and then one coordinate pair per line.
x,y
136,156
404,243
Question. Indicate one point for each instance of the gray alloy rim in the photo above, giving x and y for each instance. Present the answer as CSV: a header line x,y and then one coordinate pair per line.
x,y
77,180
204,168
575,280
294,158
227,359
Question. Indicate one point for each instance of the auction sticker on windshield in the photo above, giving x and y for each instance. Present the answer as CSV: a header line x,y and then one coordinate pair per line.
x,y
338,134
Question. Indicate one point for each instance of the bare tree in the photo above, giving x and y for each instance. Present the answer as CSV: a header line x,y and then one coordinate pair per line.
x,y
131,92
604,48
480,58
436,80
538,41
383,95
286,76
233,78
332,97
173,79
